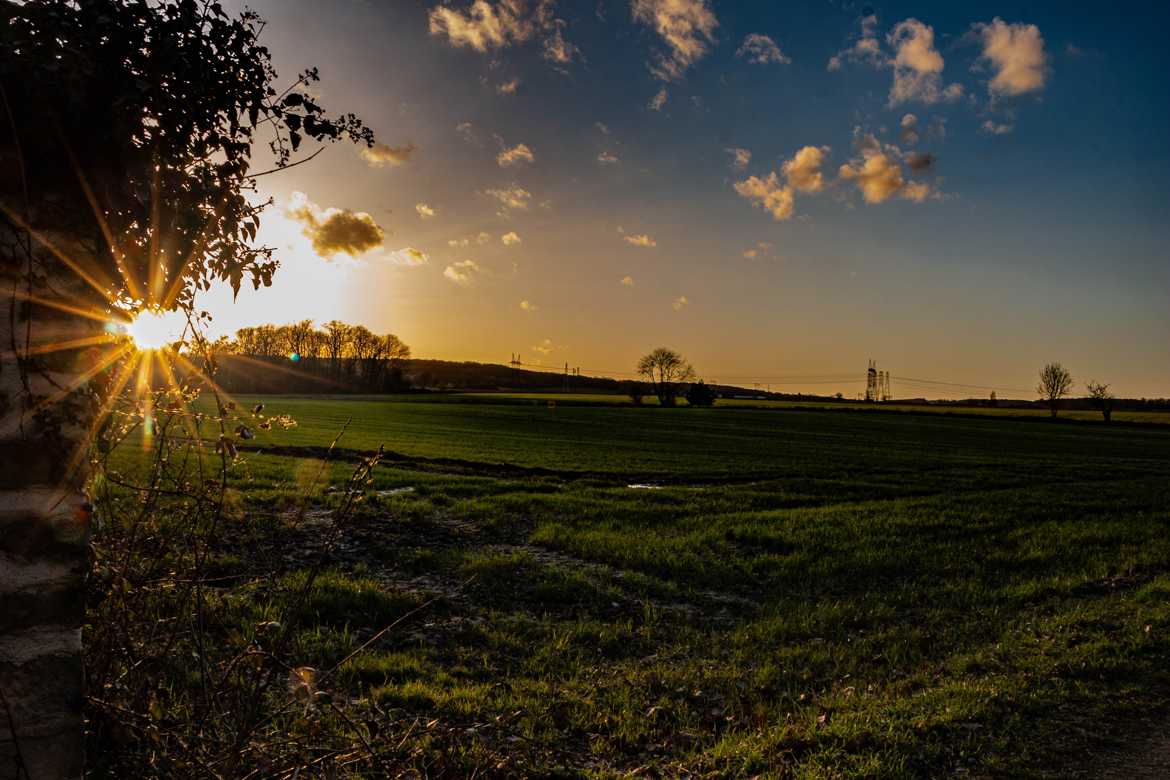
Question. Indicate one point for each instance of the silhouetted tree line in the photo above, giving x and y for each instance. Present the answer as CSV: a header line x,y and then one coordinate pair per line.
x,y
336,355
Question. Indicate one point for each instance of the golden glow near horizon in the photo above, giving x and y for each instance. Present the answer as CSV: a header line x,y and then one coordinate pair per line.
x,y
153,329
587,224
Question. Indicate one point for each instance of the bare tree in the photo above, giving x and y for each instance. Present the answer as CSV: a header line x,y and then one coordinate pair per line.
x,y
665,370
394,349
1101,398
298,336
314,344
266,341
336,340
1055,382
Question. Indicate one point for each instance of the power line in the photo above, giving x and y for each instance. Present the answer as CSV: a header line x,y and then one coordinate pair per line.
x,y
960,384
791,379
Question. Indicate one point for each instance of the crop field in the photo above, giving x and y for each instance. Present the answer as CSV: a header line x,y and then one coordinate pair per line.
x,y
600,590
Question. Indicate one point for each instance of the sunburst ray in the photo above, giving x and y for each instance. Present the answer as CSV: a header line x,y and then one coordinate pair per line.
x,y
93,277
60,346
281,369
76,382
168,373
194,369
93,314
119,257
115,391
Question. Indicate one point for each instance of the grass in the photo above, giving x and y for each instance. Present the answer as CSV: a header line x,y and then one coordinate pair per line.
x,y
614,399
807,594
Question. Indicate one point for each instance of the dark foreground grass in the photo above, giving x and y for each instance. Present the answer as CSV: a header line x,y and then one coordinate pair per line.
x,y
797,594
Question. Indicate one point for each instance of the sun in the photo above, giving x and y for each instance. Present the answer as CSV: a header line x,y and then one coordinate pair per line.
x,y
153,329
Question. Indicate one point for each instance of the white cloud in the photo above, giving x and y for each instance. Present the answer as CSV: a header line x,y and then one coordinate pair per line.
x,y
658,101
866,49
485,26
916,191
995,128
739,157
761,50
878,176
424,211
1016,55
462,272
467,241
803,171
557,49
679,302
382,154
508,87
641,240
510,239
514,197
409,256
917,65
909,130
687,27
602,127
627,281
335,231
518,154
759,250
467,130
545,347
528,306
607,157
769,194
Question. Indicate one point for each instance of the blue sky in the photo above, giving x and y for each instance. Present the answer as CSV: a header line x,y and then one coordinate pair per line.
x,y
1039,232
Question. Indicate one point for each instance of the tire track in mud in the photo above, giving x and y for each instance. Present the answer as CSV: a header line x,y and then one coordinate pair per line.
x,y
362,543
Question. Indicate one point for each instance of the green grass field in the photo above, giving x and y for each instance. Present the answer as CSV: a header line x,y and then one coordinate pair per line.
x,y
722,592
610,399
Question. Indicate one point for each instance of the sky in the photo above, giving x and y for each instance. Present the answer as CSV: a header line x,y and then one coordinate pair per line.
x,y
780,191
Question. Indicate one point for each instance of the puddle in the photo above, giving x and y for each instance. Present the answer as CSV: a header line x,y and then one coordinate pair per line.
x,y
643,486
395,491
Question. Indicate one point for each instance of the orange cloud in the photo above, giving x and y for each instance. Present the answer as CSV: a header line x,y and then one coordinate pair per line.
x,y
335,231
381,154
642,240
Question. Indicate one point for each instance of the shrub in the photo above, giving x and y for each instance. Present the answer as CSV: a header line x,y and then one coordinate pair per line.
x,y
701,394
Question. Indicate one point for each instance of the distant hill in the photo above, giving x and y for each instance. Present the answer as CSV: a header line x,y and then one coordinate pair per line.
x,y
245,374
308,376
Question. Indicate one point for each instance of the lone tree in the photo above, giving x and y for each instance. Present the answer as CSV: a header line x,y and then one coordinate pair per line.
x,y
1055,382
1101,398
665,370
127,129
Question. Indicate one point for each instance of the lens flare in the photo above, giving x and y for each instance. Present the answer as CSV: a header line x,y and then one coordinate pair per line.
x,y
153,329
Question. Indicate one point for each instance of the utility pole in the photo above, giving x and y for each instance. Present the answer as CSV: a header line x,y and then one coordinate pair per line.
x,y
871,382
